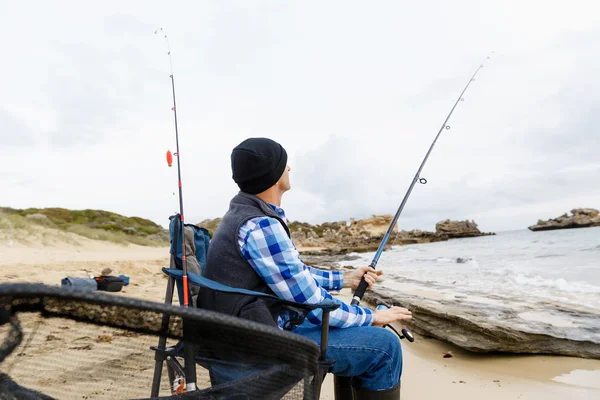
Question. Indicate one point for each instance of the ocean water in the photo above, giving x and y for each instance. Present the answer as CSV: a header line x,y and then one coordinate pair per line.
x,y
561,266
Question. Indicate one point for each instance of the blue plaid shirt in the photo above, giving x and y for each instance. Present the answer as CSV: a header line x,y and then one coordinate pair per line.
x,y
265,244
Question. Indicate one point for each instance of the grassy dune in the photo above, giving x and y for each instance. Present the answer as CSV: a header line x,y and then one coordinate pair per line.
x,y
92,224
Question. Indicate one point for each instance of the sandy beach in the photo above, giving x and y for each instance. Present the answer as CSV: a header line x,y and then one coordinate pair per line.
x,y
426,375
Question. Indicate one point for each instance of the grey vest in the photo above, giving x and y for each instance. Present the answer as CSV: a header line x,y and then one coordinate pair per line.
x,y
226,264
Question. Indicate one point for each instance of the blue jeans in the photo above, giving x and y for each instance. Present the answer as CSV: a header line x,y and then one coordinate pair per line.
x,y
371,354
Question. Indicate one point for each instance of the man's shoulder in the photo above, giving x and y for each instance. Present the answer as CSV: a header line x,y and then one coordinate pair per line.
x,y
251,223
260,222
262,230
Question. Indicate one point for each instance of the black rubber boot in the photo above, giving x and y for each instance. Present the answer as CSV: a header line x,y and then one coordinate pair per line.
x,y
342,387
388,394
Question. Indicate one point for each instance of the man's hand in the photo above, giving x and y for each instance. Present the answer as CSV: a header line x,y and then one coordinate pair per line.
x,y
393,314
352,278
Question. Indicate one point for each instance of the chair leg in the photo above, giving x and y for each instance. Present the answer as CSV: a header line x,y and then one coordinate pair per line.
x,y
188,354
162,343
324,364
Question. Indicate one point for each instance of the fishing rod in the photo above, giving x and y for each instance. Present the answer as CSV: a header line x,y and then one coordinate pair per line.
x,y
170,162
187,381
362,286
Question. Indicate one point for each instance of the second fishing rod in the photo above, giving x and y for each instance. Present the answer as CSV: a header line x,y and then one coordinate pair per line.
x,y
179,184
185,377
360,291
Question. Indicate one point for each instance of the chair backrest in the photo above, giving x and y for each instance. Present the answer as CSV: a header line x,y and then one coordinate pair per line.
x,y
197,240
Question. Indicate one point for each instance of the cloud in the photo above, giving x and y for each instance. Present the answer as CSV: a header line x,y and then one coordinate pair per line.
x,y
14,131
355,93
543,151
94,90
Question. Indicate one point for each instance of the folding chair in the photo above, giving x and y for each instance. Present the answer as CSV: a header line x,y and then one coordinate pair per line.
x,y
196,282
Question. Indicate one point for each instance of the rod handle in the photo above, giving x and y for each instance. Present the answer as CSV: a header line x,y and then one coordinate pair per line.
x,y
360,291
362,287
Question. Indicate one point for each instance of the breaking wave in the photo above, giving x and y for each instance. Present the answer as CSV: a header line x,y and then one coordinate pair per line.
x,y
537,281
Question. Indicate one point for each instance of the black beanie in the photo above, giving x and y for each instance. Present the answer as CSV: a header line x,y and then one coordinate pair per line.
x,y
257,164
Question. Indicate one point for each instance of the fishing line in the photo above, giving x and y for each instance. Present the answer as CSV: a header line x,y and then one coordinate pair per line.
x,y
360,291
179,184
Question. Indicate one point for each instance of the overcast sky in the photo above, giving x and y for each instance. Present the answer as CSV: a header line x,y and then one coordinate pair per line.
x,y
354,90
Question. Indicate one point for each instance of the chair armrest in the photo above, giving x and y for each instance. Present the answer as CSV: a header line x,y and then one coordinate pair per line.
x,y
327,306
198,280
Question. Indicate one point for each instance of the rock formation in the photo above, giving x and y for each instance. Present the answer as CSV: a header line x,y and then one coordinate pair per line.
x,y
495,325
377,225
365,234
580,218
457,229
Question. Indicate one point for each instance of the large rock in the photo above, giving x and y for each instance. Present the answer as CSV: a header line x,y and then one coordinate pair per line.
x,y
580,218
417,236
376,225
496,324
457,229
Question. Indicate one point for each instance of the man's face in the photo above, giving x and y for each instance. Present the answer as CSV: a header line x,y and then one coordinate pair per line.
x,y
284,181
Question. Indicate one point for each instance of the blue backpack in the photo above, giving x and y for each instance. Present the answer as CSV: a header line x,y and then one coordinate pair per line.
x,y
196,249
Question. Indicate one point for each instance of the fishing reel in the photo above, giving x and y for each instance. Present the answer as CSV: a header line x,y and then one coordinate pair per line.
x,y
405,332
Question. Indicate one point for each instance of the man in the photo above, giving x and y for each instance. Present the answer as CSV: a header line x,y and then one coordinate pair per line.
x,y
252,249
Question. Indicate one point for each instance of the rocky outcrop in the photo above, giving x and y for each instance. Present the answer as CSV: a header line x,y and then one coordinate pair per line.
x,y
458,229
444,230
365,234
341,237
417,236
498,325
377,225
580,218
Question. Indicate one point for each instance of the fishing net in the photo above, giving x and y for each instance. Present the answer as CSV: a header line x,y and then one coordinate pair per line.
x,y
63,344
